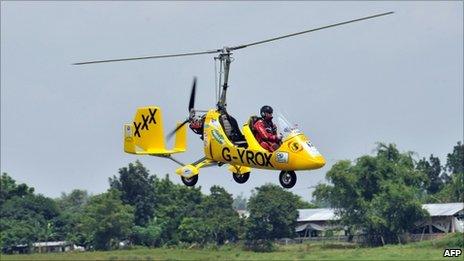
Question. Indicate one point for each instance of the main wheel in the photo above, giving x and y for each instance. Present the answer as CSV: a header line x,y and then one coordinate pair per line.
x,y
287,178
190,181
241,178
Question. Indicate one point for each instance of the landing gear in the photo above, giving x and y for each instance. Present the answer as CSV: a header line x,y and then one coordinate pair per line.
x,y
287,178
190,181
241,178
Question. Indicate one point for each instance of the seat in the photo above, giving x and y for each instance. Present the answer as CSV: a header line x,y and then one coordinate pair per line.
x,y
231,129
251,123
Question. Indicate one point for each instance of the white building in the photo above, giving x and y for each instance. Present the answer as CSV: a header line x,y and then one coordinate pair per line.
x,y
444,218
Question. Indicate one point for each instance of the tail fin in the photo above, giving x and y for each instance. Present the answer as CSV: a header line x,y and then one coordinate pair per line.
x,y
145,135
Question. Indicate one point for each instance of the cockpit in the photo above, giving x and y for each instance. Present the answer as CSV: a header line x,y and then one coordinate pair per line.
x,y
284,130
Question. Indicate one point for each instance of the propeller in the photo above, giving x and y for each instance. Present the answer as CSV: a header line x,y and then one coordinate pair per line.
x,y
228,49
190,108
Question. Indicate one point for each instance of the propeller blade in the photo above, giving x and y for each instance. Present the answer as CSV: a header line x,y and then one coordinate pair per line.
x,y
170,134
228,49
148,57
307,31
192,94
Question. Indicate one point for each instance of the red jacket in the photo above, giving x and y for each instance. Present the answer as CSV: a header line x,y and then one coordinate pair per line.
x,y
265,131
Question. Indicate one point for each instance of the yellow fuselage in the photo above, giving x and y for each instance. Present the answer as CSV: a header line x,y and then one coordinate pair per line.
x,y
295,153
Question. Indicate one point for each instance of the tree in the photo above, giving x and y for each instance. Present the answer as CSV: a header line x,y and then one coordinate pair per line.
x,y
149,235
195,230
455,160
137,189
218,214
432,170
107,220
273,214
377,195
25,217
11,189
453,189
174,203
69,225
74,201
303,204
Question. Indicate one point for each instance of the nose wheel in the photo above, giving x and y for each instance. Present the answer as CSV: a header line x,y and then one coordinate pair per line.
x,y
287,178
190,181
241,178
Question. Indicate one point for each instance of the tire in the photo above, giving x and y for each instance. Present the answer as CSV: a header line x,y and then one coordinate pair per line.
x,y
287,179
241,178
190,181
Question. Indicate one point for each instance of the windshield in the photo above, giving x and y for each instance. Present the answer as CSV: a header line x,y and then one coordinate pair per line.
x,y
284,127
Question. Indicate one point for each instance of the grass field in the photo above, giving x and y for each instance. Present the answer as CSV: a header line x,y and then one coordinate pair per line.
x,y
429,250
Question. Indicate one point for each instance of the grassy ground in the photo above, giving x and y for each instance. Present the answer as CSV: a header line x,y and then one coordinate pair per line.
x,y
429,250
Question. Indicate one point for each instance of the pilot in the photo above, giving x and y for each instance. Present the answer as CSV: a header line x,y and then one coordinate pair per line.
x,y
196,125
266,131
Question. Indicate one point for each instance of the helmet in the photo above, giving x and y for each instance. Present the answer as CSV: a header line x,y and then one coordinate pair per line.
x,y
265,109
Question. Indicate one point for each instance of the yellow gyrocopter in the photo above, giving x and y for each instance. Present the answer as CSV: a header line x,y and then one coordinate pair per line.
x,y
224,142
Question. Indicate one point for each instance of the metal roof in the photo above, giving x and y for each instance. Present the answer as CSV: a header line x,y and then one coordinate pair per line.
x,y
324,214
446,209
316,214
50,243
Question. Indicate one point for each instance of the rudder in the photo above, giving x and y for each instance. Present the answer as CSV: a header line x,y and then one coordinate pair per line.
x,y
145,134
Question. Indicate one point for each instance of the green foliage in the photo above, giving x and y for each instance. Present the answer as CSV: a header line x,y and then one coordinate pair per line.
x,y
25,217
455,240
219,215
11,189
107,220
74,201
432,169
188,216
453,188
174,203
302,204
453,191
425,250
137,190
150,235
455,160
18,232
377,195
69,222
273,214
195,230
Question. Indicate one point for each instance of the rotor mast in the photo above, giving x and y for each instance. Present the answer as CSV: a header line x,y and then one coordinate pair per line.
x,y
224,58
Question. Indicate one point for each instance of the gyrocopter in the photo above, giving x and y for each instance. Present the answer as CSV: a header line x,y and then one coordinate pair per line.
x,y
223,141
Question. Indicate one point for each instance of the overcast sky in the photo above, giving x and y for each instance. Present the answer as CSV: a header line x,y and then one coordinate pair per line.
x,y
397,78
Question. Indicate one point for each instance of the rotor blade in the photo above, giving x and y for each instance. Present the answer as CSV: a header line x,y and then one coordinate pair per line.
x,y
170,134
308,31
148,57
192,94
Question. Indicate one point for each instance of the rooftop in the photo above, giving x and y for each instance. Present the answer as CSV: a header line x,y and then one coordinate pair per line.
x,y
323,214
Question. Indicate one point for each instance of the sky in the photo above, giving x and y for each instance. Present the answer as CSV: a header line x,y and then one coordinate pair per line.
x,y
394,79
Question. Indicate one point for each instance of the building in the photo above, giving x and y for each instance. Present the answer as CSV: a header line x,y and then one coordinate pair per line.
x,y
46,247
444,218
316,221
